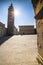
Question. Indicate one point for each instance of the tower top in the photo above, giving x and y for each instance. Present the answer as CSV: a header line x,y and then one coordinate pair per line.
x,y
11,6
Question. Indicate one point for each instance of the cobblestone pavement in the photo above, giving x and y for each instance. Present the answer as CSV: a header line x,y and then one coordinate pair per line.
x,y
19,50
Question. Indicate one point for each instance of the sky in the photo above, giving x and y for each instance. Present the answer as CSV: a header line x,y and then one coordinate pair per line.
x,y
23,9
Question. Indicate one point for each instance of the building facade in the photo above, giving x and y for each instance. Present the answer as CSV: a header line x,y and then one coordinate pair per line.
x,y
10,23
38,9
2,30
25,30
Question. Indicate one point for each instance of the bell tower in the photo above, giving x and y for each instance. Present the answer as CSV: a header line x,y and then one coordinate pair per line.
x,y
10,23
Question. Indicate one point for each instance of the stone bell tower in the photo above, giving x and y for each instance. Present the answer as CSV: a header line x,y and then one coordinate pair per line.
x,y
10,23
38,9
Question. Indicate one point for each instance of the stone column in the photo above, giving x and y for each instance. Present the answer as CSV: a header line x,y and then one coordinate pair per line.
x,y
38,9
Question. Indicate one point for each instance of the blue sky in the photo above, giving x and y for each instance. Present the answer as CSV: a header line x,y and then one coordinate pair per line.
x,y
25,8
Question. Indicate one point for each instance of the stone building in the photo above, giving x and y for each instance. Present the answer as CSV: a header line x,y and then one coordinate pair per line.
x,y
38,9
25,30
10,23
2,30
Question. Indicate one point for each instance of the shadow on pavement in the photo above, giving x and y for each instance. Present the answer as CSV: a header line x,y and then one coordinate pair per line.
x,y
3,39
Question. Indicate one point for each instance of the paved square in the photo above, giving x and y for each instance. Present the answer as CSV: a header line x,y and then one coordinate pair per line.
x,y
19,50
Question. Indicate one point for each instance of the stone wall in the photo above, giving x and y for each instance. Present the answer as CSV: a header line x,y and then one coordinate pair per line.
x,y
39,25
2,30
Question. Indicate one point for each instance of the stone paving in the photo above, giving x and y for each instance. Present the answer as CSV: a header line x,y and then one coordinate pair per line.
x,y
19,50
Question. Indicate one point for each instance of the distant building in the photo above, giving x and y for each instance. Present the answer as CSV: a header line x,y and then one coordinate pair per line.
x,y
2,30
24,30
15,31
10,23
